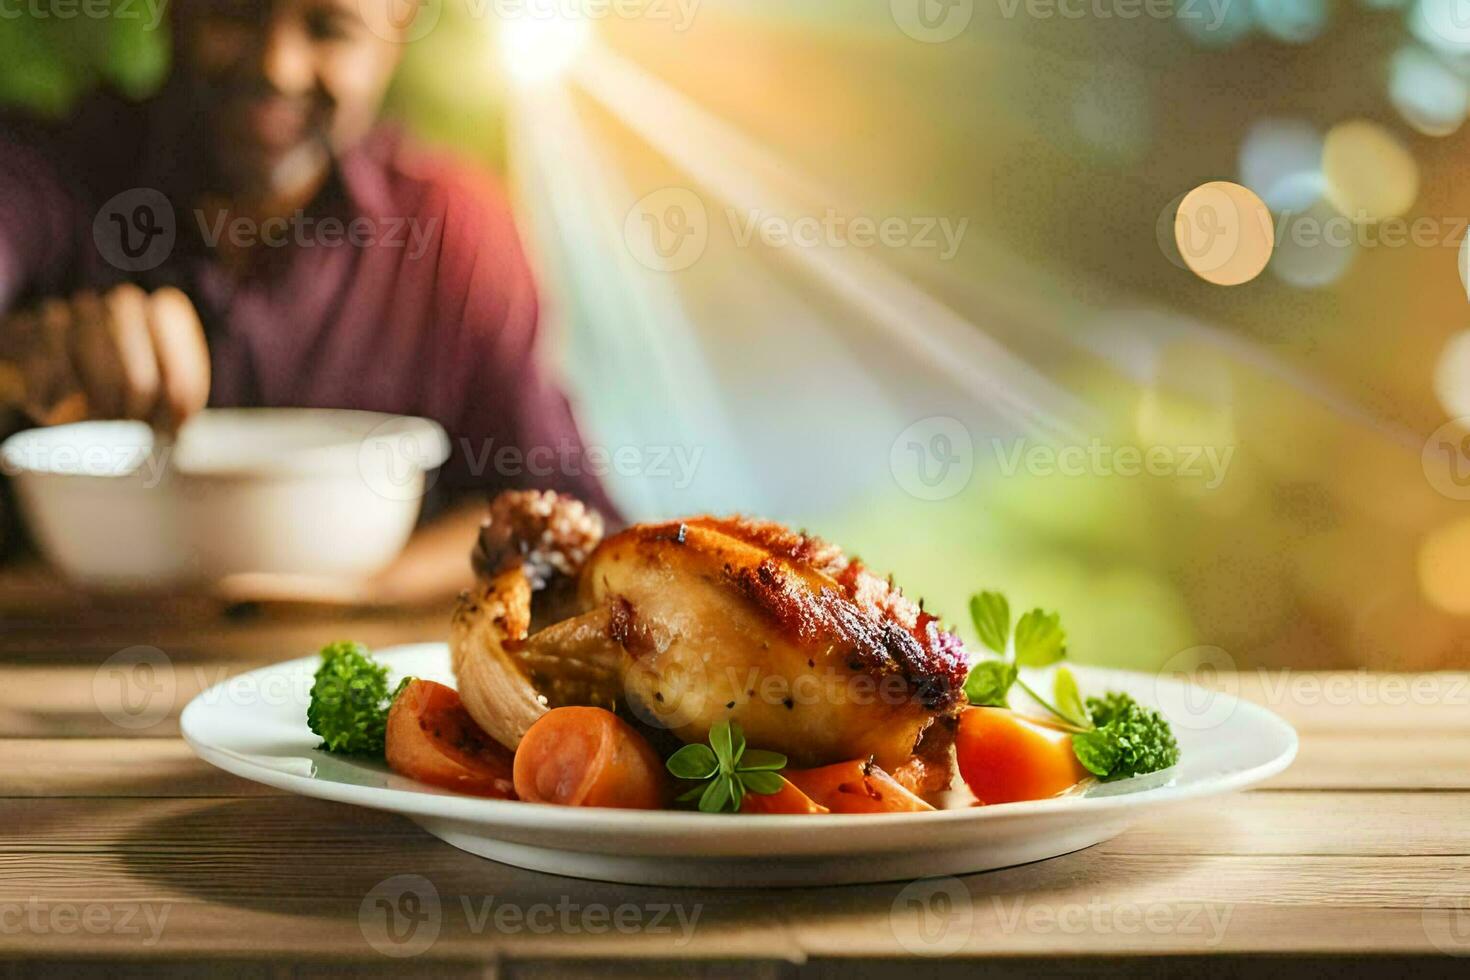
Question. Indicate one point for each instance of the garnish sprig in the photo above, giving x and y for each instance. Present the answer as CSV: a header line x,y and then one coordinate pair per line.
x,y
1114,737
725,770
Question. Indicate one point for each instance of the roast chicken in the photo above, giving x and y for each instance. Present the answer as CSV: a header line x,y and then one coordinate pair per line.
x,y
685,623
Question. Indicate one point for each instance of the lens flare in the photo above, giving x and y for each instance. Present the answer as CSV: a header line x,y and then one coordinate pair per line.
x,y
541,44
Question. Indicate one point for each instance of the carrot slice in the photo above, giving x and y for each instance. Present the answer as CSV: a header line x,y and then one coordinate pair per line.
x,y
432,738
1005,757
588,757
858,786
788,799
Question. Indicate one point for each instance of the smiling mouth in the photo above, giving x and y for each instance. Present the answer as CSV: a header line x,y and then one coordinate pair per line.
x,y
273,123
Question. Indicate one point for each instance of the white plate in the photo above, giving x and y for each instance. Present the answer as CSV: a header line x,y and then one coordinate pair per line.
x,y
254,726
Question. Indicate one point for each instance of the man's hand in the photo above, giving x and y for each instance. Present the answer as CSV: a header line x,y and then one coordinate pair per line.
x,y
124,354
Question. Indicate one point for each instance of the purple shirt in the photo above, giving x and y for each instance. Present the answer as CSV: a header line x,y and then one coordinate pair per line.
x,y
428,308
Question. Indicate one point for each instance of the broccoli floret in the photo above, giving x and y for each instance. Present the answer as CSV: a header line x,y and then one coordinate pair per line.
x,y
1127,740
350,700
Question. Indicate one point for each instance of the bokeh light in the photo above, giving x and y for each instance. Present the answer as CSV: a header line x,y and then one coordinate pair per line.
x,y
1452,376
1215,26
1370,174
1281,160
1442,25
1444,567
1291,21
1224,233
1430,97
1309,253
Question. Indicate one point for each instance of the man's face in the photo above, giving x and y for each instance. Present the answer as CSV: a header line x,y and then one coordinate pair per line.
x,y
286,83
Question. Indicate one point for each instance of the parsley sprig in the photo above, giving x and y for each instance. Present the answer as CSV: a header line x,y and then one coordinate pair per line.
x,y
1114,736
725,770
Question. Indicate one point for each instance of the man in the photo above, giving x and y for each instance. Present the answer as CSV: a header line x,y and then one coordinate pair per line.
x,y
309,258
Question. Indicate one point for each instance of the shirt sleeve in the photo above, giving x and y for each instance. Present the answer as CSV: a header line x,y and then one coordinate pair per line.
x,y
36,215
513,425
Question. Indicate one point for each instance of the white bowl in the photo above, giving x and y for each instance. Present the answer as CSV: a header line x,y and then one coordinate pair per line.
x,y
298,493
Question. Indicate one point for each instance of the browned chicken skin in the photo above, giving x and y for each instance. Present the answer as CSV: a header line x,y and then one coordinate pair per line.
x,y
690,622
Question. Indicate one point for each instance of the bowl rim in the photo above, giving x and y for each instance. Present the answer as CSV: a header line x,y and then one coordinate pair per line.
x,y
308,460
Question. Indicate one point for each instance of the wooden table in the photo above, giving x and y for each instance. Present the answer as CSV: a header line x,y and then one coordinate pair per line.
x,y
118,846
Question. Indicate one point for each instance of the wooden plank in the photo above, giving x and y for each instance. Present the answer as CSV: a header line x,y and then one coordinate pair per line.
x,y
110,767
1344,702
1086,903
1379,761
1250,824
106,700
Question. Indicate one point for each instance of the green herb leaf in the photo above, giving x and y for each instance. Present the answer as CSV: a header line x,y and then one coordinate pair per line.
x,y
762,781
694,761
350,700
1129,740
737,745
757,760
724,770
1068,699
989,683
1040,639
716,795
992,615
1097,750
737,794
721,740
